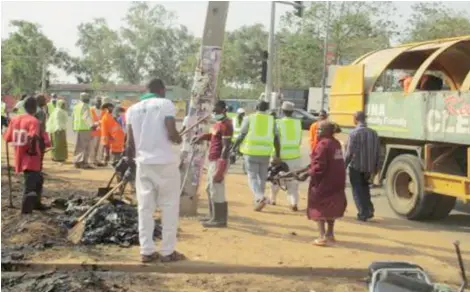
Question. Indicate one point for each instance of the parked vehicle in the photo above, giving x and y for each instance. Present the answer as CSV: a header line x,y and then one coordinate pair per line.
x,y
424,130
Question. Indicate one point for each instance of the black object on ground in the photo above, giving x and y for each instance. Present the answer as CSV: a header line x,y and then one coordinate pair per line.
x,y
56,282
111,223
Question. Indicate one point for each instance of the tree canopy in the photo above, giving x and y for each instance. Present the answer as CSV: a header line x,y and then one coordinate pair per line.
x,y
150,43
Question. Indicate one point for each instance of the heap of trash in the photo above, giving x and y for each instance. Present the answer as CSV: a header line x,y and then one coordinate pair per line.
x,y
114,222
57,282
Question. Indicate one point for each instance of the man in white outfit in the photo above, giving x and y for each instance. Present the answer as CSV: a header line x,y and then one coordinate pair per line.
x,y
151,129
290,136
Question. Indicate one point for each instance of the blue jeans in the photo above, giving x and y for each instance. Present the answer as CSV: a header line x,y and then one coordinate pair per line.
x,y
257,171
361,193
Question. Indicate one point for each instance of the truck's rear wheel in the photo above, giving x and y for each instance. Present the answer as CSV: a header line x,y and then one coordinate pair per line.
x,y
404,186
444,205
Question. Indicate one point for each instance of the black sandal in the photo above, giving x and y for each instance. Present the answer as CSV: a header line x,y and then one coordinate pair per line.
x,y
174,257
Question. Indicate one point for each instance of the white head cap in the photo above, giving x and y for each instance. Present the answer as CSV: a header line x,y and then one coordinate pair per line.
x,y
240,111
287,106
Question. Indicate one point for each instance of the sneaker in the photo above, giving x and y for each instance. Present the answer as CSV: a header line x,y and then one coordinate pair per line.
x,y
149,258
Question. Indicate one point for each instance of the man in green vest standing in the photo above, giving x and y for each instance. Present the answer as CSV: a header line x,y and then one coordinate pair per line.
x,y
258,136
290,136
82,126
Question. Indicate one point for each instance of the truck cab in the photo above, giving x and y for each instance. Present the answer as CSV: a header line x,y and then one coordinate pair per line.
x,y
424,131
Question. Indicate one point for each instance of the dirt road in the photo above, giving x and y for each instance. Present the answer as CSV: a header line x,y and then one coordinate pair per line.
x,y
267,251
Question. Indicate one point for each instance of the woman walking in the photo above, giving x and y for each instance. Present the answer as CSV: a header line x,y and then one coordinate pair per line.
x,y
326,196
56,126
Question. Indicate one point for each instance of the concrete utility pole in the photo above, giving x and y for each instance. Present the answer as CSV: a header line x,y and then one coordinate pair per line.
x,y
325,57
44,76
202,100
269,74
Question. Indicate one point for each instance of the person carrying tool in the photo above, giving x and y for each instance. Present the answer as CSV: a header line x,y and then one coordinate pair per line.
x,y
219,151
82,126
95,134
326,190
314,129
112,135
258,136
151,130
24,132
290,136
237,123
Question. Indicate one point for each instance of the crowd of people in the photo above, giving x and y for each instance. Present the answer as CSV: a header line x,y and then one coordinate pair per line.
x,y
145,134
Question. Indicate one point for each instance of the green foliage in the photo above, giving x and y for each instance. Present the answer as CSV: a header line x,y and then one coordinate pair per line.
x,y
434,20
149,44
24,53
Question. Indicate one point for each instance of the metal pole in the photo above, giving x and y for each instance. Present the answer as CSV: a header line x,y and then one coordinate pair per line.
x,y
269,76
44,75
325,52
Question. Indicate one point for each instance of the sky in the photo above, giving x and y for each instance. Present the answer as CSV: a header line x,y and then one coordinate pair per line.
x,y
59,19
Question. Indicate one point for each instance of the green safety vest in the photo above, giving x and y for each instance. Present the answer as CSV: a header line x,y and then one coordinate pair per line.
x,y
237,127
231,115
260,138
290,137
3,109
50,107
80,123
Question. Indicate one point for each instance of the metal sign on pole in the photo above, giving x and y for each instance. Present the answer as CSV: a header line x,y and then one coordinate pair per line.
x,y
202,99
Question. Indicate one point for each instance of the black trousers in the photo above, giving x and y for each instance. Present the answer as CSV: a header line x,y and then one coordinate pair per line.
x,y
33,183
361,193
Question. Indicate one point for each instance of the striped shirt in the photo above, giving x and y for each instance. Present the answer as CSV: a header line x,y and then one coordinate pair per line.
x,y
363,149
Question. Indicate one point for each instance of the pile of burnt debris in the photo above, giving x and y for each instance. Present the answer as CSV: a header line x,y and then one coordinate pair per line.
x,y
114,222
57,282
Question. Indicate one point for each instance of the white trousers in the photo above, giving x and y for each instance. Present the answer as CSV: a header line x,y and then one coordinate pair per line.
x,y
291,184
158,185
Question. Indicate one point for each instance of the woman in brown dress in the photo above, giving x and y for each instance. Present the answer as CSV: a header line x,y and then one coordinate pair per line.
x,y
326,196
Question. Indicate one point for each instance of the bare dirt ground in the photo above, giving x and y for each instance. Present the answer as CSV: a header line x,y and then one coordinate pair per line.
x,y
267,251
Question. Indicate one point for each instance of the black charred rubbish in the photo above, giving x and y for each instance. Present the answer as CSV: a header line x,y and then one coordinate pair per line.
x,y
111,223
57,282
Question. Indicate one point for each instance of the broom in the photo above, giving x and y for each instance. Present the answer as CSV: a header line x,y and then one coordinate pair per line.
x,y
76,233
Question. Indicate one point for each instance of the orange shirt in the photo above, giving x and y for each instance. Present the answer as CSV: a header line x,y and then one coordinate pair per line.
x,y
96,119
313,136
112,134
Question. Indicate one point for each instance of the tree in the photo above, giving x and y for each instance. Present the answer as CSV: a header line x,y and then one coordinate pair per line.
x,y
434,20
355,28
98,44
152,46
242,55
24,53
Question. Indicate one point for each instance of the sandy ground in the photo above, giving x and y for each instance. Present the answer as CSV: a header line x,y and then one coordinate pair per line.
x,y
274,246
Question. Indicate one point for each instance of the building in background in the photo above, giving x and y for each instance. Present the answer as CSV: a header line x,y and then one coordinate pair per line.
x,y
126,94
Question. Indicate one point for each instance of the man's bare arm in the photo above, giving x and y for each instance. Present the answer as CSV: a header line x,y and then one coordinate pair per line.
x,y
130,144
173,134
227,144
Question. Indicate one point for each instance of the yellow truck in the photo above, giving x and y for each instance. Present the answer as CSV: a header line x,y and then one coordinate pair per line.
x,y
424,130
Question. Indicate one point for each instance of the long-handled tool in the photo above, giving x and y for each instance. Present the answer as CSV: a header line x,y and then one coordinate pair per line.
x,y
195,124
461,266
76,233
10,193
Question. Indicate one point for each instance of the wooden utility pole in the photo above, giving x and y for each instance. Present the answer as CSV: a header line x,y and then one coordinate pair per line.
x,y
202,100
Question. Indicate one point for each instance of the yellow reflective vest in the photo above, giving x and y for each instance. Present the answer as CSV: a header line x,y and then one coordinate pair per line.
x,y
290,137
259,140
81,119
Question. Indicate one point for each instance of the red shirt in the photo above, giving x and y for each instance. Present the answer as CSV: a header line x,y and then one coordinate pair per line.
x,y
21,130
221,129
